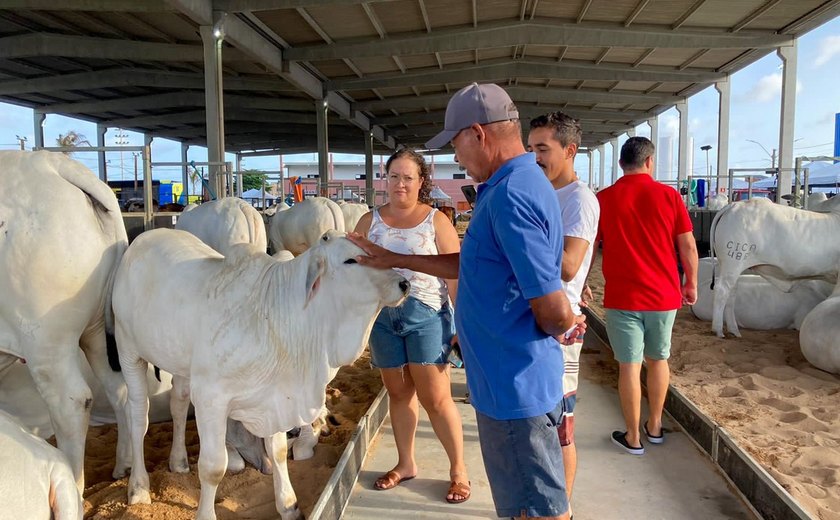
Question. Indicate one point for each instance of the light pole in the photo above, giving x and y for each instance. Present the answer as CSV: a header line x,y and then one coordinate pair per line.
x,y
22,140
771,155
706,149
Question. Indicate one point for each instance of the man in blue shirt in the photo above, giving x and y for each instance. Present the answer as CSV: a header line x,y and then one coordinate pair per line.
x,y
511,307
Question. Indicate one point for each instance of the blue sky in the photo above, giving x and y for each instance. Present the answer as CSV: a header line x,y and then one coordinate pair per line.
x,y
756,99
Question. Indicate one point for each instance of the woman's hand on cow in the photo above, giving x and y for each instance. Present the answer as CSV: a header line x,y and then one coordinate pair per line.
x,y
375,256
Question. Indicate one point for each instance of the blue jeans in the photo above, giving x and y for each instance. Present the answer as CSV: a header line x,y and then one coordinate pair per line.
x,y
411,333
524,464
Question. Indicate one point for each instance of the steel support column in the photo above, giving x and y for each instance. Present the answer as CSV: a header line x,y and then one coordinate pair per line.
x,y
602,159
39,120
212,39
653,123
682,150
615,152
185,175
370,192
590,154
723,87
101,130
322,112
788,55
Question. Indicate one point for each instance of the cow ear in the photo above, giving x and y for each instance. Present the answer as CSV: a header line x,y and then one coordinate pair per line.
x,y
317,266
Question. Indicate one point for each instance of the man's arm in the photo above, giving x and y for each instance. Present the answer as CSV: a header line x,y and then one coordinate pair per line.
x,y
442,266
574,251
553,313
687,249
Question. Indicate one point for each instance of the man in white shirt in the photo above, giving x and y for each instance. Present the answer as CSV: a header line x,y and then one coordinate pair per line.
x,y
555,138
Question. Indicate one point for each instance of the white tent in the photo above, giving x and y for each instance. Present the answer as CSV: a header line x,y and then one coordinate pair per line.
x,y
819,174
255,197
439,194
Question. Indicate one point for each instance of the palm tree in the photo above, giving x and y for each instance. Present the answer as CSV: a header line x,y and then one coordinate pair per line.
x,y
72,139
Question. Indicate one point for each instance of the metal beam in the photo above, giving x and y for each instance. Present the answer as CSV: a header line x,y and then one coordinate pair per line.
x,y
428,131
270,5
146,6
66,46
267,52
550,96
526,111
115,78
533,32
198,116
171,100
530,68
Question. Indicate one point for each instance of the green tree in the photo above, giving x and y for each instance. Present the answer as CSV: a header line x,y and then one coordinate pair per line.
x,y
252,179
72,139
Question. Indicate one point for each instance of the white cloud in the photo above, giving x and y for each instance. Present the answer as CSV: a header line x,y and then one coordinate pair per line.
x,y
669,124
768,88
828,48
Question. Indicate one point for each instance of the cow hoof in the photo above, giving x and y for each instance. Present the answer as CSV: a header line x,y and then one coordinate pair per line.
x,y
139,496
179,466
302,453
293,514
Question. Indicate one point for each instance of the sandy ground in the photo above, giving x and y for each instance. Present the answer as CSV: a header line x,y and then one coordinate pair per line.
x,y
247,495
782,410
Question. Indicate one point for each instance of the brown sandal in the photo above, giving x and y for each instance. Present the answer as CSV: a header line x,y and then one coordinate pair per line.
x,y
389,480
458,488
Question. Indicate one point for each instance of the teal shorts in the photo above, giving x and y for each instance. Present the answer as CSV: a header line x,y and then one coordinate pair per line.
x,y
634,334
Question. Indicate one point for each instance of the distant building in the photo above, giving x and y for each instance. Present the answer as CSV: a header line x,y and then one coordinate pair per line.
x,y
446,175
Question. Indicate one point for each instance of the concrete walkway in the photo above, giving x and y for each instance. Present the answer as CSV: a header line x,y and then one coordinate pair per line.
x,y
672,481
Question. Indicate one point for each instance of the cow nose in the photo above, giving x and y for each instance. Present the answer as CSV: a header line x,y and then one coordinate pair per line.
x,y
405,286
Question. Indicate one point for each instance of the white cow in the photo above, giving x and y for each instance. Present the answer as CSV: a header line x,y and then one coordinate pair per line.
x,y
819,336
61,239
224,222
352,212
758,303
20,398
301,226
221,224
36,482
269,336
780,243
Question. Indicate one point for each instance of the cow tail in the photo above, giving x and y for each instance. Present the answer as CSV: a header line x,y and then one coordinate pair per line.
x,y
712,241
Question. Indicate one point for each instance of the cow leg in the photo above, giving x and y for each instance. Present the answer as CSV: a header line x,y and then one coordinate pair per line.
x,y
729,314
212,459
134,370
93,345
244,446
724,286
56,373
284,495
179,405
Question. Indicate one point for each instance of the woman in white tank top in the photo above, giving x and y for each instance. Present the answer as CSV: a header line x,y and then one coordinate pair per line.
x,y
410,343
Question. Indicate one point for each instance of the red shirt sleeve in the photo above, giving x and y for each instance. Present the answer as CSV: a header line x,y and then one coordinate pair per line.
x,y
682,222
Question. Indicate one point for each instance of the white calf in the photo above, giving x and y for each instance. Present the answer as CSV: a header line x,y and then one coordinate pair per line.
x,y
36,482
222,223
758,303
300,227
269,336
819,336
780,243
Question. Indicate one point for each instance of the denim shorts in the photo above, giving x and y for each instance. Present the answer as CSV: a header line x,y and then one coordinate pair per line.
x,y
637,334
524,464
411,333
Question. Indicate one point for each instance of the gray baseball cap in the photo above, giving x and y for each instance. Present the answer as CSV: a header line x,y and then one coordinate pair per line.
x,y
474,103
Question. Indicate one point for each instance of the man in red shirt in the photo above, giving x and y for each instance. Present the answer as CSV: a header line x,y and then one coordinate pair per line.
x,y
641,223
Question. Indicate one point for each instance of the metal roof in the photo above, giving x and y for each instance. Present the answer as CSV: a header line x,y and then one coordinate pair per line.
x,y
385,66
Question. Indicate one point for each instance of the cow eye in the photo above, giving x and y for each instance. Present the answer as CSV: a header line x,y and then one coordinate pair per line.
x,y
351,261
